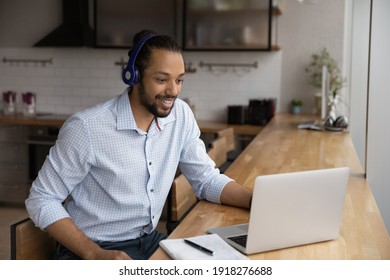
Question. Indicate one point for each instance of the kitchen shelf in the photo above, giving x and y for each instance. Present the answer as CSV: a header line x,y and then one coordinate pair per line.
x,y
211,65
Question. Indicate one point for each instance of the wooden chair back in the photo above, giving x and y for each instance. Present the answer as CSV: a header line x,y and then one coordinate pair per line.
x,y
30,243
218,151
229,135
183,198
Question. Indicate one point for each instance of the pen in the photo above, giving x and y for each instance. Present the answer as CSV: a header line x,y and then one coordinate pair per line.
x,y
197,246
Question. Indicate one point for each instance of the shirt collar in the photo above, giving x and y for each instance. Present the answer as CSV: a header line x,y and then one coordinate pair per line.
x,y
170,118
125,117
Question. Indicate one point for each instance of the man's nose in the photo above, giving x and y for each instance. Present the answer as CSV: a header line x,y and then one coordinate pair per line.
x,y
173,88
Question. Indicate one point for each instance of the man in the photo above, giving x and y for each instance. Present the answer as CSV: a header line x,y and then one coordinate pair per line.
x,y
101,191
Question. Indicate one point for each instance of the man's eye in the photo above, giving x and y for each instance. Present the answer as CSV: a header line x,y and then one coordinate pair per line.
x,y
180,81
160,80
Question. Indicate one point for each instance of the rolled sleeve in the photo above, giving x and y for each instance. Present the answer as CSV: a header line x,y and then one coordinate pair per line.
x,y
43,210
213,192
207,182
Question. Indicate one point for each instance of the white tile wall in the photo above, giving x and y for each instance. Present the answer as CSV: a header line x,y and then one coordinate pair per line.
x,y
82,77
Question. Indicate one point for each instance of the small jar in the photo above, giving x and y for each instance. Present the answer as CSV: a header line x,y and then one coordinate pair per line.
x,y
29,104
9,102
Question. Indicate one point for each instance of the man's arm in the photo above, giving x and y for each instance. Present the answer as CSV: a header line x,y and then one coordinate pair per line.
x,y
67,233
236,195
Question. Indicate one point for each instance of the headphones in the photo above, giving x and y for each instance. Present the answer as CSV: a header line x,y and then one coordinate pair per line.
x,y
338,124
130,74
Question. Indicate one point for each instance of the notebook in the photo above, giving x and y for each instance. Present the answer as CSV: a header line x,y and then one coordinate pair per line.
x,y
291,209
178,249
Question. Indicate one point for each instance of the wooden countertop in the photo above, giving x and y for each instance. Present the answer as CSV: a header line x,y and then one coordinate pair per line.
x,y
45,119
279,148
239,129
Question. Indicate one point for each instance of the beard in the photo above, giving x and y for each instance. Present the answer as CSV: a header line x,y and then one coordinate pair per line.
x,y
152,106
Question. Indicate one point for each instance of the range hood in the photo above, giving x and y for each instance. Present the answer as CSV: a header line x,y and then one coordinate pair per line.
x,y
74,30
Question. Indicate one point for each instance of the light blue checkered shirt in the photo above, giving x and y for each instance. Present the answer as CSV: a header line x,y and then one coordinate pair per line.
x,y
118,176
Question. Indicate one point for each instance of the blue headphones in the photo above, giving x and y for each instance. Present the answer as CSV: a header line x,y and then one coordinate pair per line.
x,y
130,74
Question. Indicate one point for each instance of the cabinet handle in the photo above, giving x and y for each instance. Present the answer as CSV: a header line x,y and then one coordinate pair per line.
x,y
11,187
11,167
7,147
42,142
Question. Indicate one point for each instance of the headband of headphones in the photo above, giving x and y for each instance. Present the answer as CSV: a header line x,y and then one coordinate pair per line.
x,y
130,74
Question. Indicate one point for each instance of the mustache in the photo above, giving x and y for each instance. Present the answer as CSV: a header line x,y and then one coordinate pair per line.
x,y
166,96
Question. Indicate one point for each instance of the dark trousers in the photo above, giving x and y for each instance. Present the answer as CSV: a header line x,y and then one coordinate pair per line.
x,y
138,249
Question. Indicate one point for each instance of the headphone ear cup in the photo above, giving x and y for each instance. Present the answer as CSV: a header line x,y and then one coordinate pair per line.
x,y
136,75
341,122
130,74
329,122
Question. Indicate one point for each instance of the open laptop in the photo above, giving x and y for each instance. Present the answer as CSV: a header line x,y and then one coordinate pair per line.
x,y
291,209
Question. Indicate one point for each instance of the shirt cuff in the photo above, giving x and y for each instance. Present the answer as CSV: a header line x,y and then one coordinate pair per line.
x,y
47,215
213,193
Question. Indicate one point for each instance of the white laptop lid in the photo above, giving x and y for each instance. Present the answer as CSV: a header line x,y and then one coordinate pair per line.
x,y
296,208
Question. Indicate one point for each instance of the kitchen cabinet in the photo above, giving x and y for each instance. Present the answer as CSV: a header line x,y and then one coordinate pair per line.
x,y
227,25
24,144
117,21
14,177
23,23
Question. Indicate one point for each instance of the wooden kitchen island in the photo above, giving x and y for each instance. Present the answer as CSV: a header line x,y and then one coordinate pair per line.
x,y
280,147
277,148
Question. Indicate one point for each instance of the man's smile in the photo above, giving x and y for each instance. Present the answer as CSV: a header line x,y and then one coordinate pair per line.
x,y
166,102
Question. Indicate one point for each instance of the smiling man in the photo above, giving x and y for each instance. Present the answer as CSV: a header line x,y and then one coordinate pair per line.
x,y
101,190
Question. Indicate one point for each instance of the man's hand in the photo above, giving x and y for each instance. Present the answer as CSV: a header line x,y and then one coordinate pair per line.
x,y
111,255
66,233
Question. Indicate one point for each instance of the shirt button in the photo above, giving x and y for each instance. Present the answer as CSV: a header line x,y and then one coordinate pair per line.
x,y
152,190
150,163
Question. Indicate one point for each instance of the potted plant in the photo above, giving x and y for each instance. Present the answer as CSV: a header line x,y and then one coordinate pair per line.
x,y
336,81
296,105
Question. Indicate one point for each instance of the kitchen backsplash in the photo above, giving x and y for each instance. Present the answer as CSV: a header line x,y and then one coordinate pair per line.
x,y
79,78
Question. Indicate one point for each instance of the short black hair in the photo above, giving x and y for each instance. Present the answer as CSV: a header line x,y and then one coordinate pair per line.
x,y
162,42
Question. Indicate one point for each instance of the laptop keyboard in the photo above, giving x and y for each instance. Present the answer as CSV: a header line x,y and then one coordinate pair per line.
x,y
239,239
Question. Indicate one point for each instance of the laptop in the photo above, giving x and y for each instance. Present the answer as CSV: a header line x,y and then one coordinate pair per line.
x,y
291,209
